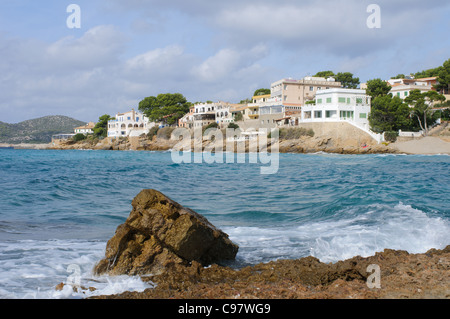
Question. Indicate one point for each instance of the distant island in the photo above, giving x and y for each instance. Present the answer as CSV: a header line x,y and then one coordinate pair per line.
x,y
38,130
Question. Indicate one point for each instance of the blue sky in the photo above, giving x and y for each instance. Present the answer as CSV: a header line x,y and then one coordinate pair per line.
x,y
206,50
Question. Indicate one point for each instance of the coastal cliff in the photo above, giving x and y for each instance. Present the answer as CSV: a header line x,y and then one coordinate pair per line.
x,y
302,144
338,139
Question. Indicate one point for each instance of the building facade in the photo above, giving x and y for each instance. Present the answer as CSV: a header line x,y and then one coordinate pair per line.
x,y
204,114
85,129
404,90
298,92
187,121
130,123
339,104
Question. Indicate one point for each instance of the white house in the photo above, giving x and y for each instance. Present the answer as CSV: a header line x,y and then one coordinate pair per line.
x,y
130,123
339,104
403,87
224,114
404,90
85,129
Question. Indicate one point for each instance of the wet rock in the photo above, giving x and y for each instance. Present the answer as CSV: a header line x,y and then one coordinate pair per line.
x,y
160,234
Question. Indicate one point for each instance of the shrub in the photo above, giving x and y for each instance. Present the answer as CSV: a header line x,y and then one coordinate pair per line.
x,y
390,136
78,137
211,125
152,132
238,116
233,126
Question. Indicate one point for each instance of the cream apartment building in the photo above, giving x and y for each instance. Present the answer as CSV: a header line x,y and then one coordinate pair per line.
x,y
293,93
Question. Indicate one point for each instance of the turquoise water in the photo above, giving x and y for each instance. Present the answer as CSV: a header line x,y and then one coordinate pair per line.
x,y
58,208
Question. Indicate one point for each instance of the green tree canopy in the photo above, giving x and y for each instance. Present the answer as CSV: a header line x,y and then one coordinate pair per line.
x,y
428,73
246,101
347,80
422,106
398,76
324,74
443,74
389,114
377,87
167,107
261,92
444,78
101,128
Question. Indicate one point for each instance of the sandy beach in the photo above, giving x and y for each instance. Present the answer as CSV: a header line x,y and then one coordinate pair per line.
x,y
431,145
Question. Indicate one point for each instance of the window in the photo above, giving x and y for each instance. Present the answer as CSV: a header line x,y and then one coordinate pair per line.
x,y
128,118
285,97
311,88
398,94
342,100
328,99
319,101
359,100
346,115
137,119
348,100
317,114
362,115
406,93
329,114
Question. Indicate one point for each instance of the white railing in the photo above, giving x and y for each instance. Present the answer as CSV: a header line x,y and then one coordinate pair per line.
x,y
410,134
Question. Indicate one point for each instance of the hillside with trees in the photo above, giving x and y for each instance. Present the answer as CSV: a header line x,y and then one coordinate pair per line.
x,y
39,130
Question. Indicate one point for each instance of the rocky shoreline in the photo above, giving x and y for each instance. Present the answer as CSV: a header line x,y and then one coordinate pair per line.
x,y
301,145
402,276
182,255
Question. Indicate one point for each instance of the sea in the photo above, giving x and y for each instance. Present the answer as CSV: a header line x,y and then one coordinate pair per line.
x,y
58,208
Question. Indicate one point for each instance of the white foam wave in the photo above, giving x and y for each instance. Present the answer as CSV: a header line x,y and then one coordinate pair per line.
x,y
358,231
32,269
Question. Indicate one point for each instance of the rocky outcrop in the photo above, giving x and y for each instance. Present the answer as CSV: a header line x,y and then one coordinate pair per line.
x,y
329,144
402,276
160,234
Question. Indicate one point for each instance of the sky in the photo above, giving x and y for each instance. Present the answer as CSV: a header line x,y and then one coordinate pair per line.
x,y
124,51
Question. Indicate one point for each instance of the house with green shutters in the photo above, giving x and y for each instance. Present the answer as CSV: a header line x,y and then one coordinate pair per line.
x,y
339,104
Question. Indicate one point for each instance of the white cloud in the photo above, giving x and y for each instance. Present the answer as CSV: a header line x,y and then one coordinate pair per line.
x,y
98,46
209,50
86,77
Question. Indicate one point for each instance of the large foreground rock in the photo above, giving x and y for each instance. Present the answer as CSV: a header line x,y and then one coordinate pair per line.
x,y
160,234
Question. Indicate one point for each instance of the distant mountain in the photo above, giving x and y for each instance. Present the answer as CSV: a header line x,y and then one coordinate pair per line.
x,y
38,130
